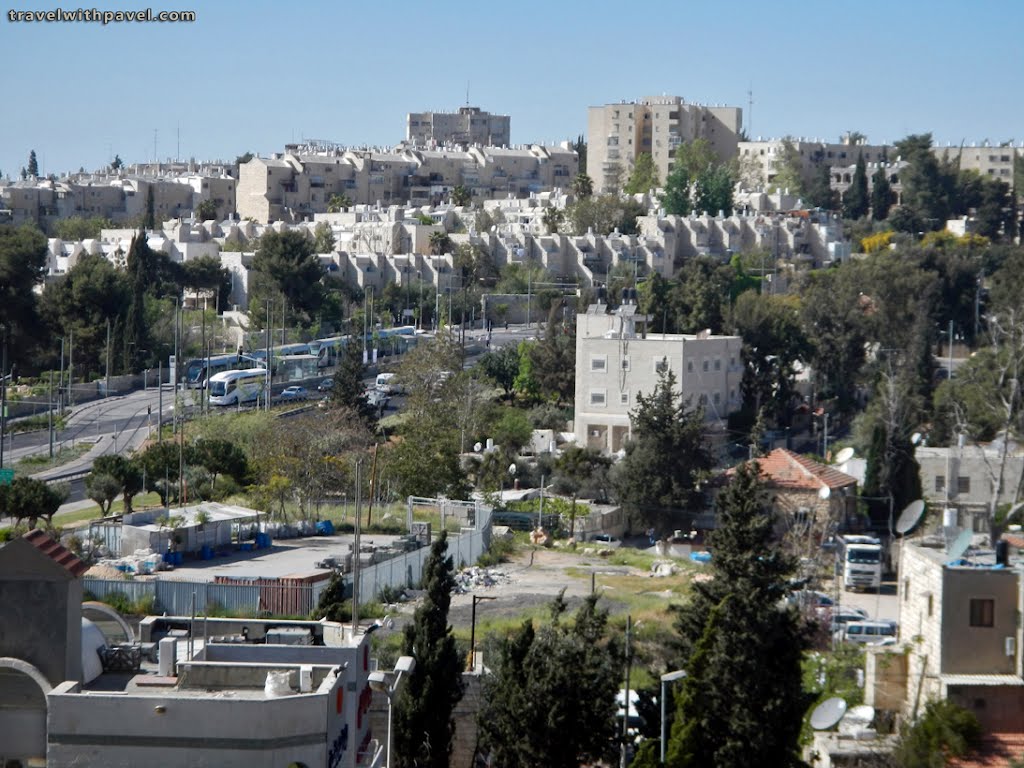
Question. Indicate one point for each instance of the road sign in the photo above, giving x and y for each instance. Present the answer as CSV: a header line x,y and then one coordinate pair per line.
x,y
6,476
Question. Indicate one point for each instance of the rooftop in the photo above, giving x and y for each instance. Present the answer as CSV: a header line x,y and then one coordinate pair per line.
x,y
63,557
785,469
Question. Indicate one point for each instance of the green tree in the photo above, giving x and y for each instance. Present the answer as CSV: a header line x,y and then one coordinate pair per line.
x,y
580,148
125,472
602,214
339,203
676,200
22,268
945,731
742,702
440,243
926,185
855,200
332,604
712,191
881,194
701,298
323,238
221,457
667,456
551,698
644,176
33,165
77,228
819,192
553,358
160,466
206,210
502,366
102,489
149,219
773,345
552,219
789,175
348,389
582,185
461,196
206,274
423,724
28,499
136,330
244,158
286,268
575,469
695,157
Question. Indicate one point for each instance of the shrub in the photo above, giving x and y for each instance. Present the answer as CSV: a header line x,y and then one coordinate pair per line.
x,y
499,552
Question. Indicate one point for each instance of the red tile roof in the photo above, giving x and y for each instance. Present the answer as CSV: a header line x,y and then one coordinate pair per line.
x,y
53,550
995,751
1013,540
784,469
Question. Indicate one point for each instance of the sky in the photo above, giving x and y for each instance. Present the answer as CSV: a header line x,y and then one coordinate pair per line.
x,y
255,75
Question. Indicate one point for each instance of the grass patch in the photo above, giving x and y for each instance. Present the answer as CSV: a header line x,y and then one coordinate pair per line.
x,y
41,462
142,501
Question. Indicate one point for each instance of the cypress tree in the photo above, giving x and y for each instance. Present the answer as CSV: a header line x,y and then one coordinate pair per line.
x,y
423,724
881,195
855,200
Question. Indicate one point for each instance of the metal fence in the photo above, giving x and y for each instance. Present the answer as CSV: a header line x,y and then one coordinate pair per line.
x,y
406,570
175,597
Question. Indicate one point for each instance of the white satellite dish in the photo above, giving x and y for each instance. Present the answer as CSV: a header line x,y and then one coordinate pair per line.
x,y
478,447
959,545
915,438
828,713
862,714
844,455
824,492
909,516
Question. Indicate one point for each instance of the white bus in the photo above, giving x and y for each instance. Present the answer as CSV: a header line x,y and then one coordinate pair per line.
x,y
861,557
234,387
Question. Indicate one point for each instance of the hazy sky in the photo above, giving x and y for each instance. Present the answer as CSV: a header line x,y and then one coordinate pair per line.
x,y
254,75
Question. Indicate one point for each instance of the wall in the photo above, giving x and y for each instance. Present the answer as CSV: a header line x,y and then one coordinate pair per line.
x,y
978,650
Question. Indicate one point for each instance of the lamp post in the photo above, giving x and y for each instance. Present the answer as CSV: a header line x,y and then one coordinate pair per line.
x,y
379,682
472,631
668,677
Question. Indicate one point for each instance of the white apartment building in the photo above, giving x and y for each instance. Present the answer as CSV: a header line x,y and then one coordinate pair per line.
x,y
762,159
618,133
466,126
301,182
616,360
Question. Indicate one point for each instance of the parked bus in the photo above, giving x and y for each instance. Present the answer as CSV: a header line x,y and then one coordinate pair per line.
x,y
861,557
235,387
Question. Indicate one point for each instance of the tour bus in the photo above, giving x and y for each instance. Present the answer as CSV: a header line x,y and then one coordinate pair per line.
x,y
861,557
235,387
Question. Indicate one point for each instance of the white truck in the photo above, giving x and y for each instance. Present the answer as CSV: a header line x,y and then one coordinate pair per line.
x,y
861,558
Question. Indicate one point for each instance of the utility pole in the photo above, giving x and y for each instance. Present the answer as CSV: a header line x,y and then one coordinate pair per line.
x,y
3,397
625,716
60,381
106,386
160,401
49,414
71,369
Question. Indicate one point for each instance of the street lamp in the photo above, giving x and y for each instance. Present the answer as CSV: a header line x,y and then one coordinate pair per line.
x,y
379,682
472,631
668,677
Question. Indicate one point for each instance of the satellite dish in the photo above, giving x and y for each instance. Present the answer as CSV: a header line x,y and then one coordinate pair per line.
x,y
909,516
824,492
844,455
828,713
478,447
959,545
862,715
915,438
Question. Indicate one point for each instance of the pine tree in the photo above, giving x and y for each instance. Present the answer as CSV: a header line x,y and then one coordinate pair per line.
x,y
348,389
33,165
423,725
742,703
149,222
855,201
138,265
676,199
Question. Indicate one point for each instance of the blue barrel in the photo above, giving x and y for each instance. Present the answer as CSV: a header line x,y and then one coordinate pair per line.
x,y
325,528
206,553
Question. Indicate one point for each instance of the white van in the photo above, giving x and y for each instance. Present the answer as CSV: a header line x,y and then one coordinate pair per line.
x,y
386,383
875,632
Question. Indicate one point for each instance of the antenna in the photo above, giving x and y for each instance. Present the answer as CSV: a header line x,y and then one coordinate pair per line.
x,y
909,517
828,713
844,455
960,544
750,108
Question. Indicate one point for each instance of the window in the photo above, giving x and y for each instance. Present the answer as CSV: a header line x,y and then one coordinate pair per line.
x,y
624,398
930,604
940,483
598,363
597,397
689,366
983,612
718,364
906,590
661,366
963,485
705,366
717,397
625,363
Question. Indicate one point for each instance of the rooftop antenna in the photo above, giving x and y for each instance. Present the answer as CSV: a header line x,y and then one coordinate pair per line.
x,y
750,108
155,132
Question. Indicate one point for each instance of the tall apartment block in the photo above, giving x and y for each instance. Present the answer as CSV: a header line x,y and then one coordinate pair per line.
x,y
617,133
468,125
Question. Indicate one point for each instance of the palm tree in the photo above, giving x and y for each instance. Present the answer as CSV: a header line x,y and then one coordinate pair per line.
x,y
582,185
440,242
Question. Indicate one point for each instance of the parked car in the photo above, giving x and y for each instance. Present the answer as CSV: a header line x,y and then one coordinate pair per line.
x,y
846,615
377,398
606,540
294,393
867,632
326,385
